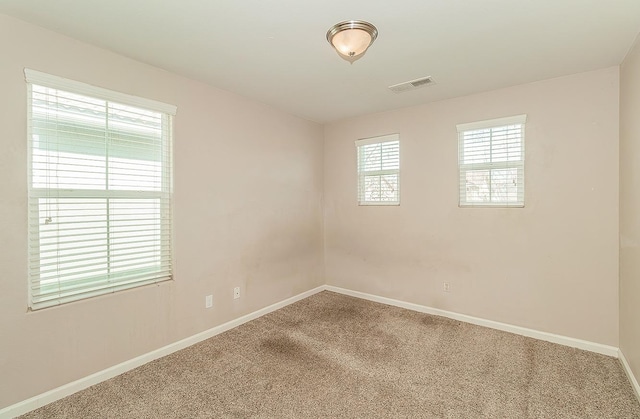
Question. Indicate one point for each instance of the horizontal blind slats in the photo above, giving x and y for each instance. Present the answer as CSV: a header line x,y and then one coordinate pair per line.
x,y
101,280
379,170
69,263
491,164
47,299
99,199
84,277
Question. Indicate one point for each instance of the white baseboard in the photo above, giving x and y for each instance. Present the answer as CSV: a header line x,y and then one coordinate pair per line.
x,y
549,337
632,378
75,386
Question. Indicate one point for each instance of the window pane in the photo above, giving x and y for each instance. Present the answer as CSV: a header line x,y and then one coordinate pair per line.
x,y
389,187
372,157
506,144
378,170
381,156
134,175
504,185
72,239
492,145
491,162
390,154
381,188
67,122
135,234
64,170
99,198
477,186
372,188
495,185
477,146
134,133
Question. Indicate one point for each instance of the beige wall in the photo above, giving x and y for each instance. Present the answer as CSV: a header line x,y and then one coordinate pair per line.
x,y
248,212
630,208
551,266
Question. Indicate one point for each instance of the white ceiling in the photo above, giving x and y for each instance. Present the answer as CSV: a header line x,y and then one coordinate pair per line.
x,y
275,51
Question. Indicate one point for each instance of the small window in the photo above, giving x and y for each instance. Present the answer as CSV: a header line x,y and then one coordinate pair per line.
x,y
100,179
491,162
379,170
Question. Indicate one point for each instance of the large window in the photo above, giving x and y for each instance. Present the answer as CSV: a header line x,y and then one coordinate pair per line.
x,y
99,191
379,170
491,162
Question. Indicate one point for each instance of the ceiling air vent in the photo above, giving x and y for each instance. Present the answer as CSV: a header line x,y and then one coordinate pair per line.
x,y
412,84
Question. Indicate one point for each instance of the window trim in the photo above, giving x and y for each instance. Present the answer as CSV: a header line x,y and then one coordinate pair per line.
x,y
361,174
55,82
33,77
518,165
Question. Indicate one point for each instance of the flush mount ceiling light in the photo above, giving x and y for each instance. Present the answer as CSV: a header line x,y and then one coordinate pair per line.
x,y
352,38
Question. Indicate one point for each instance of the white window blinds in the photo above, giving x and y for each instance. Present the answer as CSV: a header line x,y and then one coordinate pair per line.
x,y
99,191
491,162
379,170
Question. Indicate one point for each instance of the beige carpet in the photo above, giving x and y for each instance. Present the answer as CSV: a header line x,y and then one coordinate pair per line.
x,y
339,357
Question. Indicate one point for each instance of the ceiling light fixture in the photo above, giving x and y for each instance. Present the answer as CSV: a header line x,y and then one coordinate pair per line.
x,y
351,38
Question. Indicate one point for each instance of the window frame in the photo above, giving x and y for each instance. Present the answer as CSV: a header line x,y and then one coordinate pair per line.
x,y
519,165
363,174
90,286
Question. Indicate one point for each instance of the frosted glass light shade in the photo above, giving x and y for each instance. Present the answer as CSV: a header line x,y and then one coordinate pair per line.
x,y
351,42
352,38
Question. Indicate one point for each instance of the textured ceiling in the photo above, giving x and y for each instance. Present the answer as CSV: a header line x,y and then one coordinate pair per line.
x,y
275,51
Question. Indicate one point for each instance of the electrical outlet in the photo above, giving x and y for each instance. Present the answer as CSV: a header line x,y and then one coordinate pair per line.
x,y
208,301
446,287
236,293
